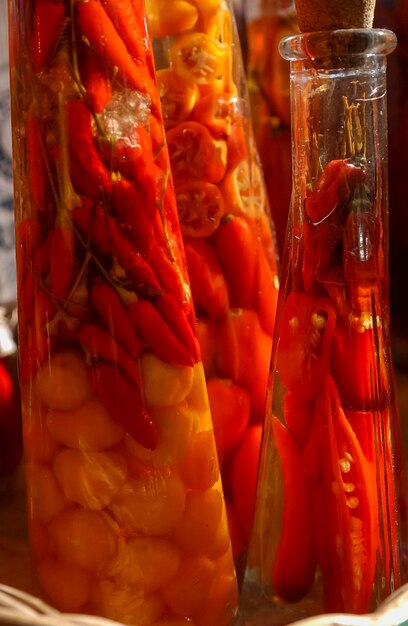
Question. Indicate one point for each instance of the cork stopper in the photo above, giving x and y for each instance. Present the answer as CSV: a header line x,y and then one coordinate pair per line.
x,y
315,15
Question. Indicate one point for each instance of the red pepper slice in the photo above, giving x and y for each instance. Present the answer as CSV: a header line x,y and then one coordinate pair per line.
x,y
305,343
333,188
346,508
294,564
360,374
195,154
200,207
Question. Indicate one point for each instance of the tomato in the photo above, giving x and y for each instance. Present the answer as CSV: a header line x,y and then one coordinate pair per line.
x,y
199,57
360,373
243,189
170,17
200,208
346,518
243,355
217,111
304,348
195,154
294,564
230,407
244,474
208,286
177,96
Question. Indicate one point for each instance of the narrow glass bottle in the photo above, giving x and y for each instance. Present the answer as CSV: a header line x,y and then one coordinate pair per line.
x,y
327,537
126,509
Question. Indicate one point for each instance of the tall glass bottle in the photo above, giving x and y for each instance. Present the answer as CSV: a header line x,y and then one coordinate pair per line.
x,y
126,510
327,532
226,227
267,22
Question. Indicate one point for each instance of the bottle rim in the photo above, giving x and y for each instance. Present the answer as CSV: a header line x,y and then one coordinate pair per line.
x,y
338,43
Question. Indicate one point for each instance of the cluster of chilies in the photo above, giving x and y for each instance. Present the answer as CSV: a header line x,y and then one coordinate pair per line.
x,y
333,442
227,233
127,514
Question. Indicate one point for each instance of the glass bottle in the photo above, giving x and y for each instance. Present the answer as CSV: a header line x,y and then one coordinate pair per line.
x,y
226,226
328,535
126,510
267,22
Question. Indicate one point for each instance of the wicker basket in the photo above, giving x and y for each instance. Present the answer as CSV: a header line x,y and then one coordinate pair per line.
x,y
18,608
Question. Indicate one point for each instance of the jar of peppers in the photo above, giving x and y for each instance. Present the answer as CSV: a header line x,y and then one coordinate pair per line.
x,y
126,511
226,227
330,533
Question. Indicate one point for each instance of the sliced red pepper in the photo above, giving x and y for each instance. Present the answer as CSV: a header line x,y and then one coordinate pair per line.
x,y
217,111
346,511
177,96
359,371
304,348
200,207
195,154
294,564
334,187
298,416
199,57
363,258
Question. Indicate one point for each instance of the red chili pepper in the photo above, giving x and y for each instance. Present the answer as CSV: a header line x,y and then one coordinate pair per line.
x,y
104,346
125,20
304,348
62,260
48,24
99,30
230,407
112,311
96,80
105,234
157,334
177,319
130,205
244,471
124,404
208,286
82,142
346,520
333,189
294,564
320,242
244,353
237,249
